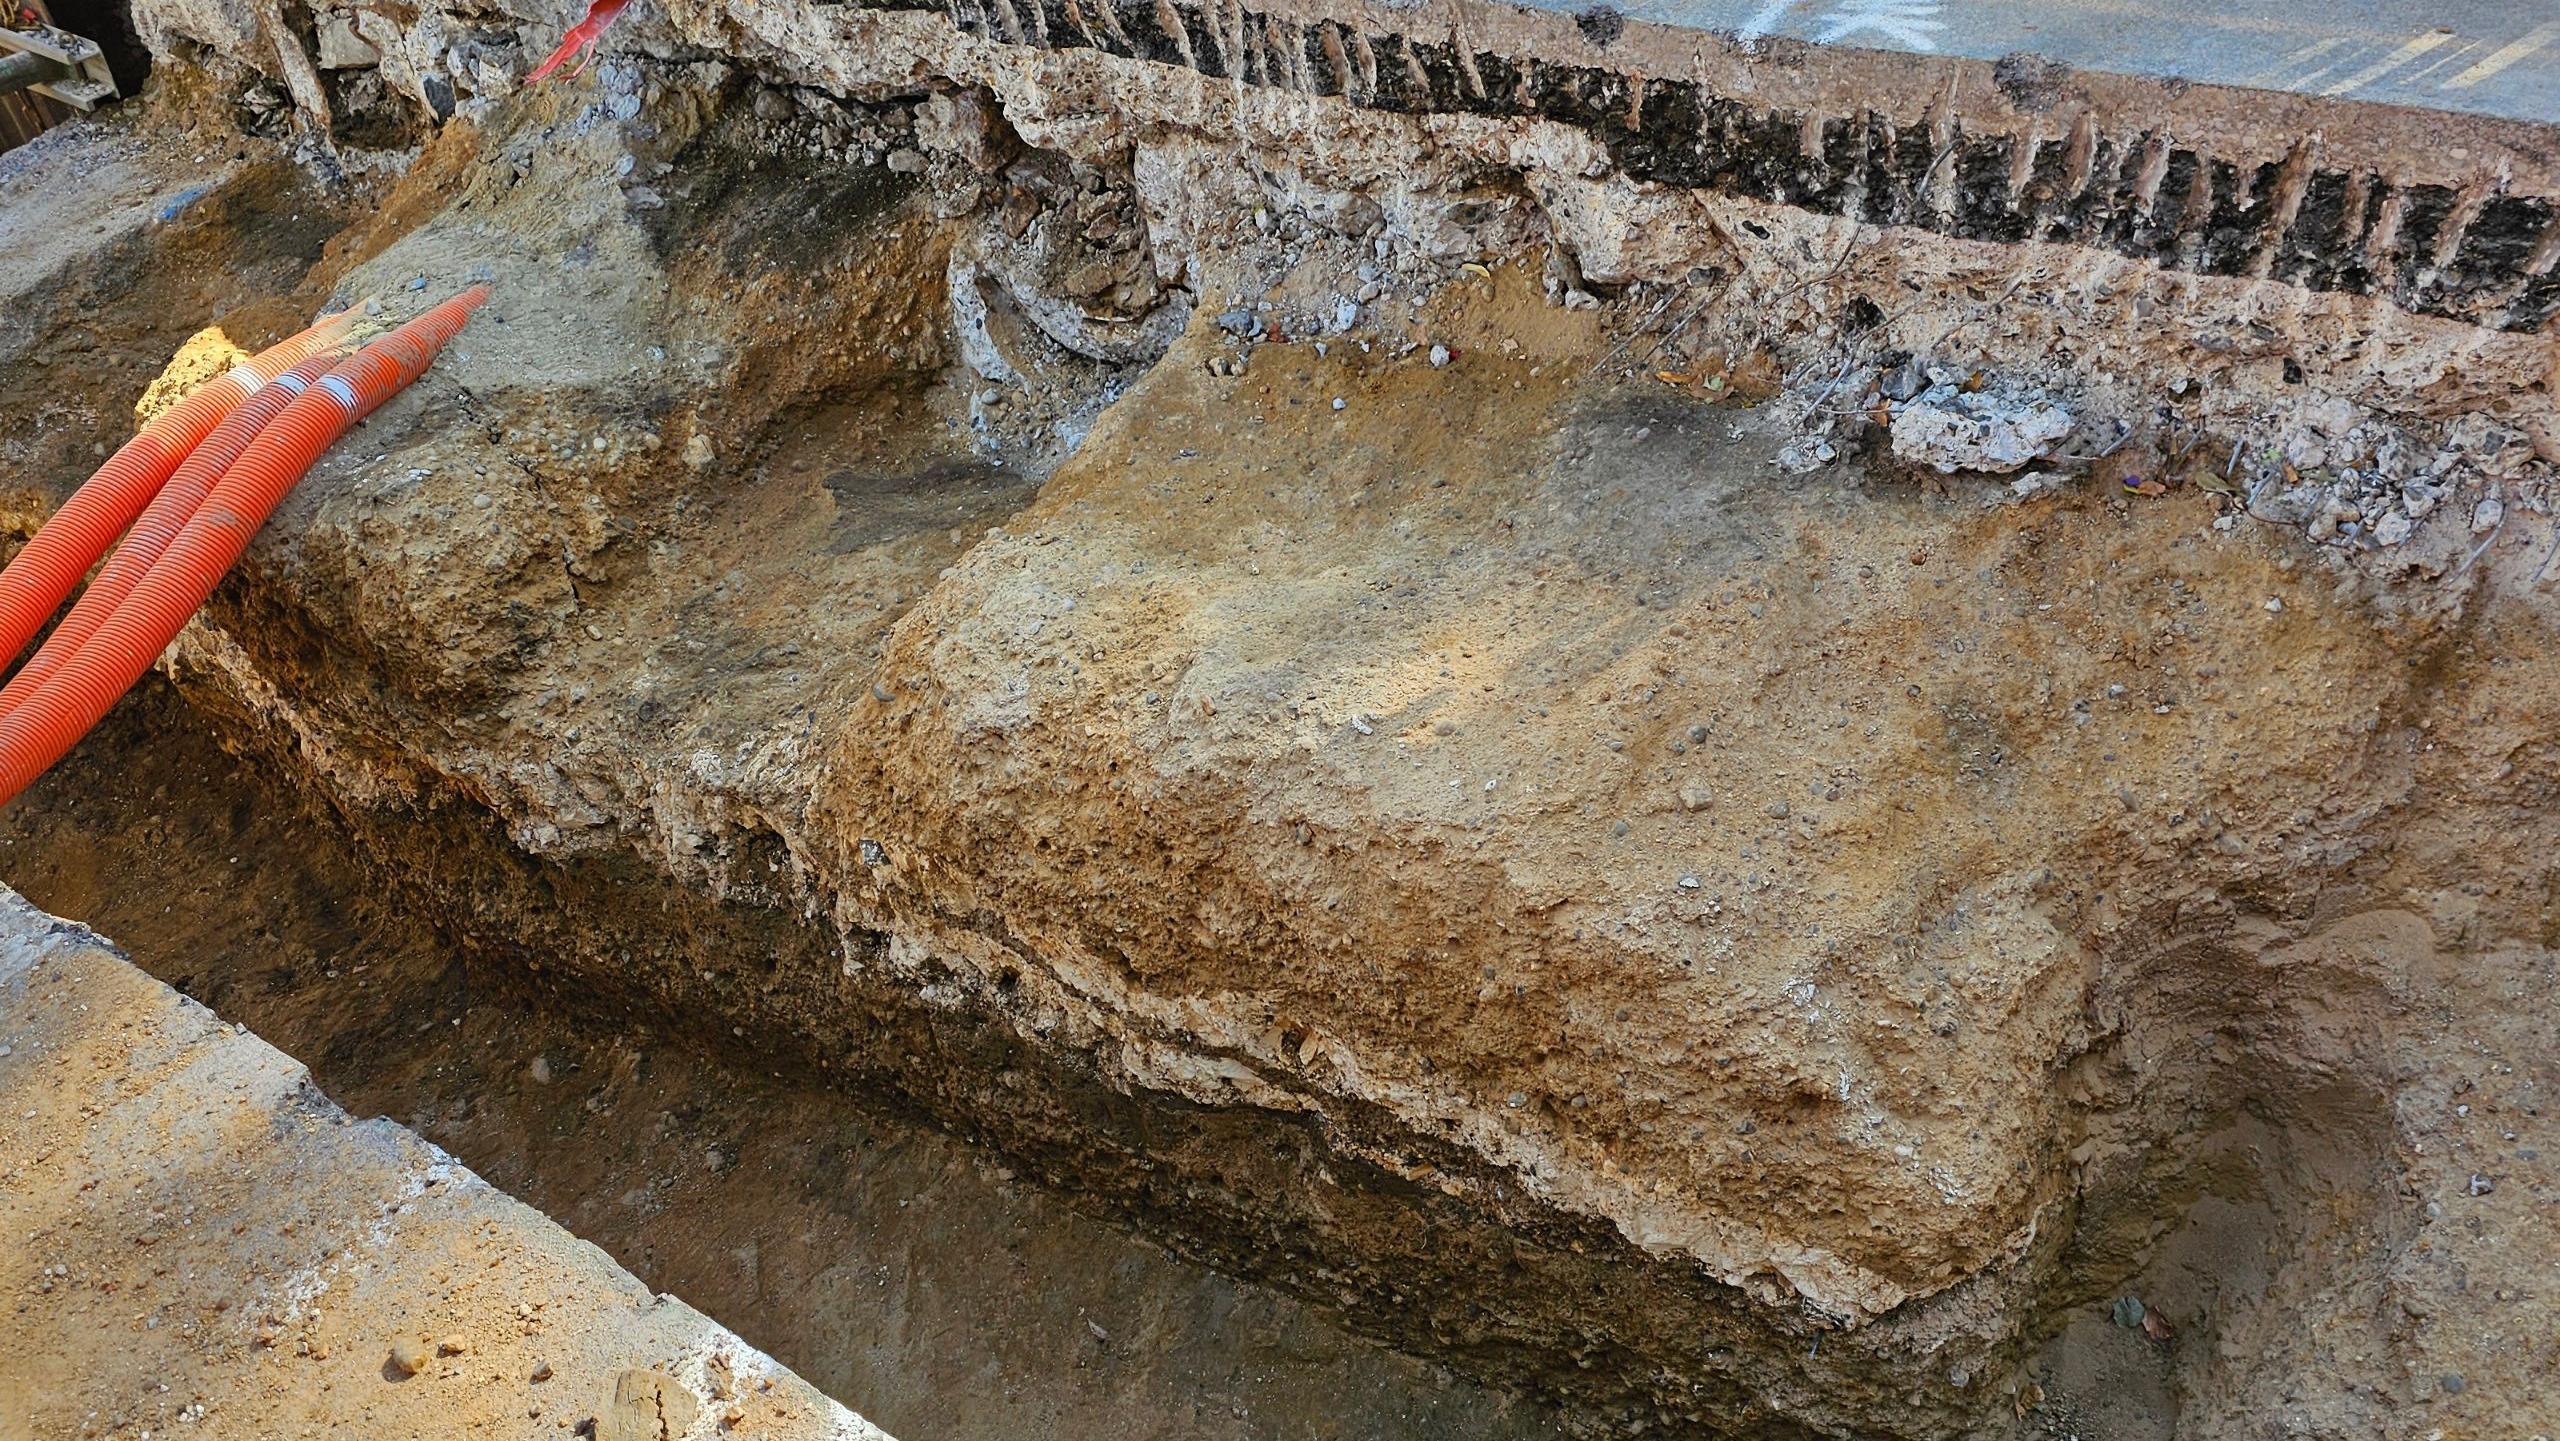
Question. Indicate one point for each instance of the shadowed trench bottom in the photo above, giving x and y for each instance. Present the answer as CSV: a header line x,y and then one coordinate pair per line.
x,y
896,1268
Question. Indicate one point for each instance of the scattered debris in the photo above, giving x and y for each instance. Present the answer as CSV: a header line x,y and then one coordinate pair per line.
x,y
1806,454
2035,483
2029,1397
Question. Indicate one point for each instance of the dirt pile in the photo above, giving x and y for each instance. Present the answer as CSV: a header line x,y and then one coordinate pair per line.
x,y
1241,652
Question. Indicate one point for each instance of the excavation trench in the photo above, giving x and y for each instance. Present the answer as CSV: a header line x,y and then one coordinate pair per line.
x,y
879,1258
1452,711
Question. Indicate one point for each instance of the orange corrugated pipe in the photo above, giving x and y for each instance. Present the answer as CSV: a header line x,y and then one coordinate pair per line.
x,y
50,721
161,522
67,544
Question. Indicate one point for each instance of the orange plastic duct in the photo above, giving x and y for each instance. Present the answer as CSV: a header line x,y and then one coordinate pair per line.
x,y
48,722
63,549
160,524
580,41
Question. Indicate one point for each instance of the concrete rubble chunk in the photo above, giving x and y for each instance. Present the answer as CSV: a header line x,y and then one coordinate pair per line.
x,y
648,1406
341,48
1949,430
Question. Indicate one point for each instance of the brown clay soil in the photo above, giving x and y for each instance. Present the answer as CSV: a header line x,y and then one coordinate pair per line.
x,y
899,1270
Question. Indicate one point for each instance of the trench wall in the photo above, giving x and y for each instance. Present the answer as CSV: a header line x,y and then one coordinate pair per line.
x,y
2279,205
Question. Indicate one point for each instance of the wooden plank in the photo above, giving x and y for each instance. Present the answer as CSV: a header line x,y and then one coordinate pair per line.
x,y
24,117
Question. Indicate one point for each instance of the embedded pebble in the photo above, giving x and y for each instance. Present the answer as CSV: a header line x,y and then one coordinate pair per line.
x,y
409,1355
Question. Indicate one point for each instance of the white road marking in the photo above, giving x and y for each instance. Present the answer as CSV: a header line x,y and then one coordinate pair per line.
x,y
1903,22
2505,55
1764,22
2409,50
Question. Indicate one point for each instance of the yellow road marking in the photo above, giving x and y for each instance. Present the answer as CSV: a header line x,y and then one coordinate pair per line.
x,y
2409,50
2504,56
2303,56
2450,57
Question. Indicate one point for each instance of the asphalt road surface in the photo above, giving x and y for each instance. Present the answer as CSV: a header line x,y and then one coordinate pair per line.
x,y
2485,57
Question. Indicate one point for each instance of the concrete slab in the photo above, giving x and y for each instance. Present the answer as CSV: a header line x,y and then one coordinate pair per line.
x,y
2481,57
192,1235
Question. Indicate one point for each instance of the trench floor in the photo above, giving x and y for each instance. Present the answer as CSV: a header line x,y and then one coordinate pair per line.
x,y
902,1271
